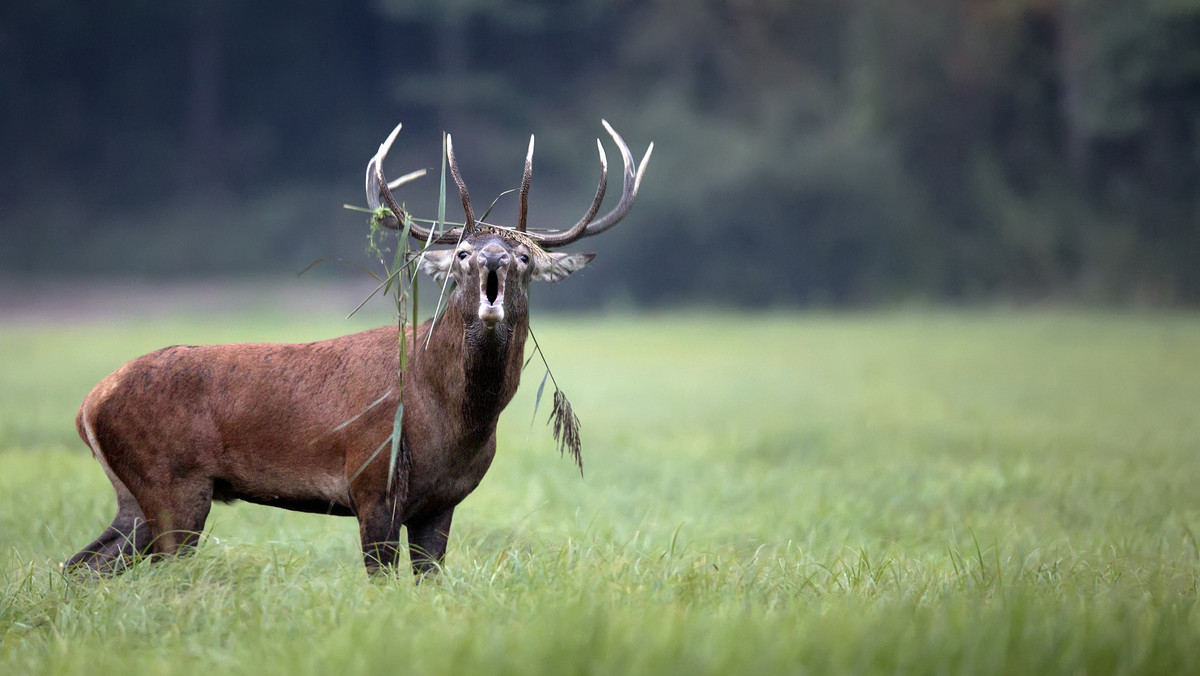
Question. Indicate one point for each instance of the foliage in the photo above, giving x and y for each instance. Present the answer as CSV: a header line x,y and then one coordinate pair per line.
x,y
952,149
868,493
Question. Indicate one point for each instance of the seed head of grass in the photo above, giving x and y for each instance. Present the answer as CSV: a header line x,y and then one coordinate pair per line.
x,y
566,428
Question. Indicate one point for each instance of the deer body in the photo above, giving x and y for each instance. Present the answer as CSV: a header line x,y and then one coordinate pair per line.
x,y
307,426
293,426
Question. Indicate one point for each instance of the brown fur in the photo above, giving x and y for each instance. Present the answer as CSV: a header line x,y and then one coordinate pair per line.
x,y
293,426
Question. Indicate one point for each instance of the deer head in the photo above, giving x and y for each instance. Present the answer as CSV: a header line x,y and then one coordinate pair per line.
x,y
491,266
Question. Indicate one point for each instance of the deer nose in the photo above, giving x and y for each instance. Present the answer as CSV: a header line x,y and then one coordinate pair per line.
x,y
493,259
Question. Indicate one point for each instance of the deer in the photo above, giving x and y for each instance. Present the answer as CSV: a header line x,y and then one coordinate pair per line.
x,y
300,425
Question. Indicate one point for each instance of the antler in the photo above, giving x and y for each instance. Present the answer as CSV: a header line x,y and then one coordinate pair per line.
x,y
586,227
379,192
378,187
525,179
462,189
631,181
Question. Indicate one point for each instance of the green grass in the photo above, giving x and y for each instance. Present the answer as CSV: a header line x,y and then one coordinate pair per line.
x,y
931,492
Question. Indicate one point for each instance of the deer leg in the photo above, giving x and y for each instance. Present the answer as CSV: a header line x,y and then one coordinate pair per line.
x,y
127,535
427,542
176,513
379,529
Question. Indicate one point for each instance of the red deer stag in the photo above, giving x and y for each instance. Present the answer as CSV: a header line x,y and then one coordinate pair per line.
x,y
299,426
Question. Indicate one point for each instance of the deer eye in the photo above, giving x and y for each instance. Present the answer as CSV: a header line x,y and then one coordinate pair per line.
x,y
462,255
524,258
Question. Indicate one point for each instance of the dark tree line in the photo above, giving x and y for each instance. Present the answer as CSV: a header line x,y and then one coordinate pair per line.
x,y
826,151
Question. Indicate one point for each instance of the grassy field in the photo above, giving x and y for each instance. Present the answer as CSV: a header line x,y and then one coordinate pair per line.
x,y
930,492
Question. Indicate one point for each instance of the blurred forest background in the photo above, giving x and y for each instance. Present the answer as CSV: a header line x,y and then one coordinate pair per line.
x,y
807,152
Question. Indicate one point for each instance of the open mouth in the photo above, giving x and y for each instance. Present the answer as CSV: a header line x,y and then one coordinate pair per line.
x,y
493,286
491,298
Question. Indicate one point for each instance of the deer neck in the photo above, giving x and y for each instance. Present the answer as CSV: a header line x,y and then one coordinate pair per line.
x,y
473,370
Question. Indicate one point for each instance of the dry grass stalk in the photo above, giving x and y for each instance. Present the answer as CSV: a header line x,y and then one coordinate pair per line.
x,y
566,428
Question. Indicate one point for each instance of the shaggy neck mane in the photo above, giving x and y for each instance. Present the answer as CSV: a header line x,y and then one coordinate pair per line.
x,y
478,369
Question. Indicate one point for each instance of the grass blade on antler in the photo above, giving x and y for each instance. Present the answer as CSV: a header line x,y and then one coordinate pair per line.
x,y
397,438
386,282
369,459
360,413
401,251
493,206
438,224
338,260
448,282
313,264
538,400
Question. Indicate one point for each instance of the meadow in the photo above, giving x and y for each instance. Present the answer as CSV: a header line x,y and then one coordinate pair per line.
x,y
909,491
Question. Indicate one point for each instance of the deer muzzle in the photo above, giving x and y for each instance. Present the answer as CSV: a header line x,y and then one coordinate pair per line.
x,y
493,270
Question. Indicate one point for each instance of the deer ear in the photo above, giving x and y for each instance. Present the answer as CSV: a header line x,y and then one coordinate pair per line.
x,y
555,267
436,263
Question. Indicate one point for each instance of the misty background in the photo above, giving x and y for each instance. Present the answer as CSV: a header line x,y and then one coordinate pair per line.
x,y
823,152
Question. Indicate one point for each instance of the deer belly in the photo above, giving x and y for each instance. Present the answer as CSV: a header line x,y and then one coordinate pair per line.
x,y
318,493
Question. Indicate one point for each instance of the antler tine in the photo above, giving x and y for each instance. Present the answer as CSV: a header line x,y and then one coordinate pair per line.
x,y
523,216
407,178
557,239
631,181
378,187
642,167
462,188
375,183
600,189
